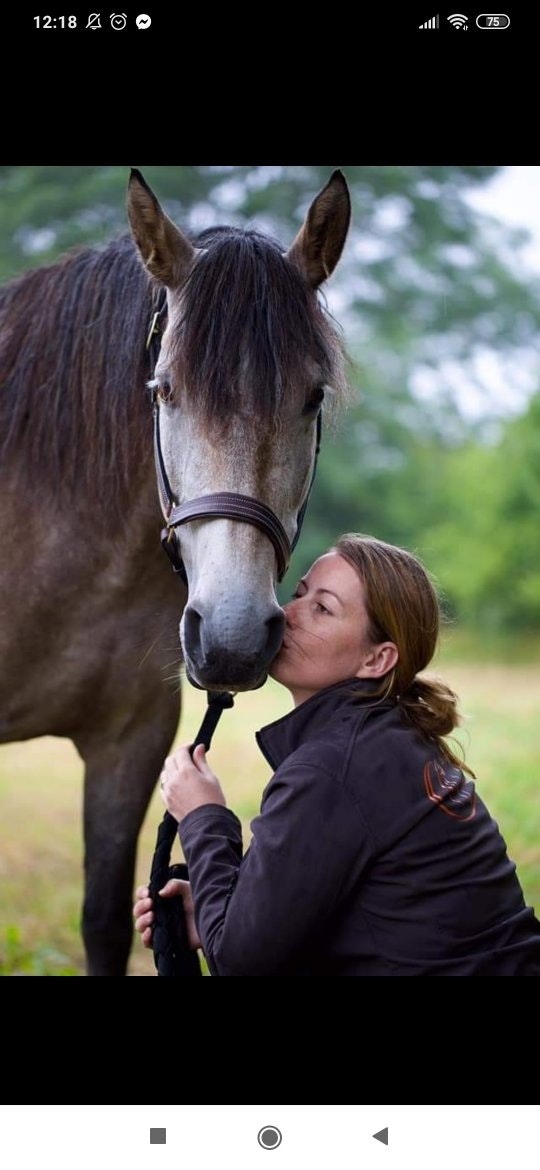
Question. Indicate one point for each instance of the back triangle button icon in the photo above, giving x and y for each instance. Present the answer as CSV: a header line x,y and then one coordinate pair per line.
x,y
381,1136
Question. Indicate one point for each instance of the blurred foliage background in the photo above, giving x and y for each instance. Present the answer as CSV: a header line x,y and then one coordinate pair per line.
x,y
428,293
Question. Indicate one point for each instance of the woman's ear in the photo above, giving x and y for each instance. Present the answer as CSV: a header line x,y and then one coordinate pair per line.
x,y
379,660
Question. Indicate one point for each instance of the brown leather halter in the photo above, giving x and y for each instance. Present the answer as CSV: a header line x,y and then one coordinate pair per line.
x,y
223,505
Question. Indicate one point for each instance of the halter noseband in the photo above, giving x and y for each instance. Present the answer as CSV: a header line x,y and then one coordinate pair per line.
x,y
222,505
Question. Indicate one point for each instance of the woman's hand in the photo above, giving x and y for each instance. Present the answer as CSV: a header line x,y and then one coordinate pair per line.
x,y
144,917
188,783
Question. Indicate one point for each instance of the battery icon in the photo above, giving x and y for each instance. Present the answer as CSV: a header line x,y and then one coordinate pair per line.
x,y
493,20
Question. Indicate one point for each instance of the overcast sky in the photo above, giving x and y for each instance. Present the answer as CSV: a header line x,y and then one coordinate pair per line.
x,y
503,385
514,196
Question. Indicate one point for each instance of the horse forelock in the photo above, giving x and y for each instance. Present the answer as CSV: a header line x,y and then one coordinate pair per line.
x,y
247,316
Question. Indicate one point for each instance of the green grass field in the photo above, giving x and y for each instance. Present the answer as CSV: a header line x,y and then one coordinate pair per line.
x,y
41,794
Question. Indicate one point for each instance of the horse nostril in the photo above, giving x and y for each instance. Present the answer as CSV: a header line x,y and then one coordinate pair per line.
x,y
275,629
192,625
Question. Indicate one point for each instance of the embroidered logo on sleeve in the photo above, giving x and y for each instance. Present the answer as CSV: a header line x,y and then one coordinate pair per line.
x,y
450,789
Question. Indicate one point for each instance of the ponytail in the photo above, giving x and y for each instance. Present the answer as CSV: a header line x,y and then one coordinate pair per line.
x,y
430,706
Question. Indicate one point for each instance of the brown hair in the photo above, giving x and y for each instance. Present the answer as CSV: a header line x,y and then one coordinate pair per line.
x,y
403,607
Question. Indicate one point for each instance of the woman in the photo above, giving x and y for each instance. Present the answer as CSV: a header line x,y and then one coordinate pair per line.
x,y
372,853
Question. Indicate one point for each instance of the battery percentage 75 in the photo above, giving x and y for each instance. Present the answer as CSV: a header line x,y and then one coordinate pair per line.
x,y
493,20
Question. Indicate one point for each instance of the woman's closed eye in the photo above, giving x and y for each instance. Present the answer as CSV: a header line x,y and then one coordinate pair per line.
x,y
319,606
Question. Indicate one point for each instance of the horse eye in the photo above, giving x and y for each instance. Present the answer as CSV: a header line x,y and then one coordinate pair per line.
x,y
314,402
164,390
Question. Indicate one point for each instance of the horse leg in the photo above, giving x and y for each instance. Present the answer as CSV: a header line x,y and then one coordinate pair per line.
x,y
121,772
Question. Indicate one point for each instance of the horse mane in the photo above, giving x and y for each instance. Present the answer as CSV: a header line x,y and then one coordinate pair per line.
x,y
74,405
73,368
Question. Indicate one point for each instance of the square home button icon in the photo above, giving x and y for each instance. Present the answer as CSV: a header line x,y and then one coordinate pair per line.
x,y
158,1137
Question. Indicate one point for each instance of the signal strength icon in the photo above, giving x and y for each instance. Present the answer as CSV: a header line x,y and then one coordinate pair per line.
x,y
433,22
459,20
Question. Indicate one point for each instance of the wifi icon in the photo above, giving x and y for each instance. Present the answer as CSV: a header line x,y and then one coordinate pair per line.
x,y
458,20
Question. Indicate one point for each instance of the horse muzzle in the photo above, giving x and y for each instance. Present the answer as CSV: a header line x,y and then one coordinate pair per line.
x,y
229,655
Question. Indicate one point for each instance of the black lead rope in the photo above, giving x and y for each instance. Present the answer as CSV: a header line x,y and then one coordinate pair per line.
x,y
172,954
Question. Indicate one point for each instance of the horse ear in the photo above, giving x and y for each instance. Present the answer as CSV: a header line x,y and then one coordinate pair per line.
x,y
319,243
165,250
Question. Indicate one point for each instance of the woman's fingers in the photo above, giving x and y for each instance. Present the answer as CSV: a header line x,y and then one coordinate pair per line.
x,y
144,915
141,908
143,921
173,887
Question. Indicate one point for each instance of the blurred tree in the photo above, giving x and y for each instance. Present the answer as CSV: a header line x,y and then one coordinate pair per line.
x,y
484,545
518,580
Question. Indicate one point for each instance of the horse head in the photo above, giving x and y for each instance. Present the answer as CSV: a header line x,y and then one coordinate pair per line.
x,y
247,354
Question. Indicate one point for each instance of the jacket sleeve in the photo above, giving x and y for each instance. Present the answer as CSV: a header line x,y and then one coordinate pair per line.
x,y
261,914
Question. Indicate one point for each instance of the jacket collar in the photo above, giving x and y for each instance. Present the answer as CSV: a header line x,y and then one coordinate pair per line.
x,y
279,739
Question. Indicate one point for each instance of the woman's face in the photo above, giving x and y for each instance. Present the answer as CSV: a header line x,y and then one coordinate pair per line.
x,y
326,632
